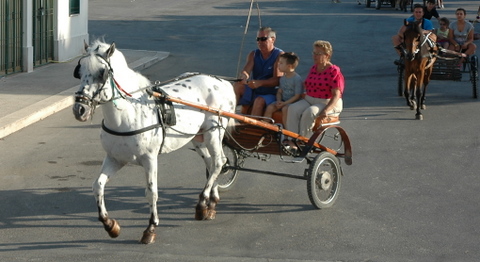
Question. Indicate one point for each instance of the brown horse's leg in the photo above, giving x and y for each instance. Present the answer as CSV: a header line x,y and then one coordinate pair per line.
x,y
410,91
426,81
418,88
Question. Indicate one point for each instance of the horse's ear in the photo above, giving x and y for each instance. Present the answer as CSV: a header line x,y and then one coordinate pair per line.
x,y
85,45
110,50
405,22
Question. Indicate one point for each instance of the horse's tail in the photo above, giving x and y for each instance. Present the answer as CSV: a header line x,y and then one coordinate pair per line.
x,y
230,125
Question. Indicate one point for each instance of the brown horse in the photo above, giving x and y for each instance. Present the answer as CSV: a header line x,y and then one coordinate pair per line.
x,y
419,60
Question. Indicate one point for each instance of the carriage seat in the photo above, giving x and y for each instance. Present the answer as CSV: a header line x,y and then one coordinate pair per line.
x,y
277,115
277,118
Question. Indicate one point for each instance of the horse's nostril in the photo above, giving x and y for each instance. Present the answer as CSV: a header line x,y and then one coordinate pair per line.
x,y
80,112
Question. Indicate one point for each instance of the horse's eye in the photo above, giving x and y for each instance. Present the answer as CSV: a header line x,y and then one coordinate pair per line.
x,y
101,74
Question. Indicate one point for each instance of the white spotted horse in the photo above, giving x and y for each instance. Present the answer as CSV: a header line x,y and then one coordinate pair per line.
x,y
419,59
136,128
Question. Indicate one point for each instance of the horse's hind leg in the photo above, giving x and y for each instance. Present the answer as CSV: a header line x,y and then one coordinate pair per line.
x,y
109,168
211,152
151,192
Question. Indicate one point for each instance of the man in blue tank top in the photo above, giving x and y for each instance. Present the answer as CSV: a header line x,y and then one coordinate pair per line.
x,y
259,88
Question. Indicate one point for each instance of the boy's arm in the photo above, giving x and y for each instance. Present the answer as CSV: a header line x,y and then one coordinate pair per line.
x,y
279,95
293,99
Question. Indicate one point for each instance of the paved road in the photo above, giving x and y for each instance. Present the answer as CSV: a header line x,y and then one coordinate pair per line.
x,y
411,194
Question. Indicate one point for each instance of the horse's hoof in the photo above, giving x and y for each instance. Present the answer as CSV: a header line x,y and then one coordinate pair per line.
x,y
148,237
114,231
211,215
419,117
201,214
413,105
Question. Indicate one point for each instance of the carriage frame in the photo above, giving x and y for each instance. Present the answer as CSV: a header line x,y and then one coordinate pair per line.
x,y
260,137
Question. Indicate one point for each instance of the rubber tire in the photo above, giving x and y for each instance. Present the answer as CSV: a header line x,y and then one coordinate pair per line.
x,y
313,176
474,75
227,178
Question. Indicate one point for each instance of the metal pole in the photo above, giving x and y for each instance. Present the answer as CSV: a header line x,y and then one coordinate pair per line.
x,y
243,39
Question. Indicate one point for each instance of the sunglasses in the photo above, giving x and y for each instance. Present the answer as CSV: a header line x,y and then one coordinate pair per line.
x,y
263,38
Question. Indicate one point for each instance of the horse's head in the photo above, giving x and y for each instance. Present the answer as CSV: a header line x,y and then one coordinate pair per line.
x,y
96,86
412,38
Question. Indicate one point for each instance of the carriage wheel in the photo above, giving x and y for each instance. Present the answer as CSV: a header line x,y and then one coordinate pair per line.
x,y
474,74
324,180
401,77
227,177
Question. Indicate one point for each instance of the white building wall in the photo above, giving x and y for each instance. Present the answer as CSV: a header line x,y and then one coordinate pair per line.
x,y
71,31
27,57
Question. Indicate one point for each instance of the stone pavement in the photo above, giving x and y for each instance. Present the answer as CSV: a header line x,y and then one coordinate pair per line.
x,y
26,98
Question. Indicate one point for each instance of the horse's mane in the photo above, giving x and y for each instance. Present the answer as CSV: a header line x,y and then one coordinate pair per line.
x,y
122,73
413,28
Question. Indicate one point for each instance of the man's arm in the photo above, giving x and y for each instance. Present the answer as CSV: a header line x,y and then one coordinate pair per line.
x,y
272,81
247,69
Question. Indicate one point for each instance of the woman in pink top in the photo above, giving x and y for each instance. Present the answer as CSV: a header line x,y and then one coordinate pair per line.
x,y
324,86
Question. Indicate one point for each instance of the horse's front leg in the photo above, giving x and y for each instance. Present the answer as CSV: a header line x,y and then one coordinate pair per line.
x,y
426,81
109,168
409,92
151,192
423,106
419,95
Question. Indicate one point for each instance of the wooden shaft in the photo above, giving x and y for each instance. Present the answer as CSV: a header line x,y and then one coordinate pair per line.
x,y
245,119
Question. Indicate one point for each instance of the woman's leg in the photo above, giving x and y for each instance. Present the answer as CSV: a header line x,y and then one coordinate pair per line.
x,y
471,49
309,114
294,115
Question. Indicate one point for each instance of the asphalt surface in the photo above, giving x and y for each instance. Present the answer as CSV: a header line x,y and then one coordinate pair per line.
x,y
410,195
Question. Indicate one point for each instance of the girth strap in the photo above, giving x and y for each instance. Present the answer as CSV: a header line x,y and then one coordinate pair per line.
x,y
130,133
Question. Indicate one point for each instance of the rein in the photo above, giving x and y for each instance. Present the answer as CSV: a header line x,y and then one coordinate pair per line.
x,y
166,116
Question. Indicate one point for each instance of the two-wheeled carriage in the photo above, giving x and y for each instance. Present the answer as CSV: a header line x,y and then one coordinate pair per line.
x,y
261,137
448,67
137,128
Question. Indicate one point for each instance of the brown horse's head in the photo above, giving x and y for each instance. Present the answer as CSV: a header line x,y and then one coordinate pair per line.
x,y
413,38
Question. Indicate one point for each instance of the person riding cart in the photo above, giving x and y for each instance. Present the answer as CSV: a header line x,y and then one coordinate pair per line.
x,y
426,25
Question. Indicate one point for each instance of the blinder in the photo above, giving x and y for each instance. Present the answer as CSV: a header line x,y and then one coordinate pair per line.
x,y
76,71
81,97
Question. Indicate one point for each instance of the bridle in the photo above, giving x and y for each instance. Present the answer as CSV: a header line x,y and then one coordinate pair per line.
x,y
83,98
415,46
